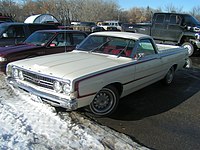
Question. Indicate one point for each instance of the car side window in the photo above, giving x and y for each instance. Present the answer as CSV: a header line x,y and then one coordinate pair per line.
x,y
62,40
160,18
14,31
175,19
119,47
77,38
145,47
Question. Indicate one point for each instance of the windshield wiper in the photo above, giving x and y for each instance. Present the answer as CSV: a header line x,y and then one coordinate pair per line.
x,y
122,51
100,46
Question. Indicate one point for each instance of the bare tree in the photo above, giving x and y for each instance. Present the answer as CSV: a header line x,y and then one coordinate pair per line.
x,y
66,10
9,7
136,15
148,14
84,10
93,10
171,8
195,12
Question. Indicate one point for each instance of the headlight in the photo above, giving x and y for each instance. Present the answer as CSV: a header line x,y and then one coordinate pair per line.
x,y
197,36
21,76
57,86
66,88
62,86
2,59
15,73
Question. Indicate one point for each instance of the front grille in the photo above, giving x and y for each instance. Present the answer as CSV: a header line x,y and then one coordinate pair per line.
x,y
38,80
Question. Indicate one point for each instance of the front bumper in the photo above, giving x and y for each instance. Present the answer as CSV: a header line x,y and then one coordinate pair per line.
x,y
69,104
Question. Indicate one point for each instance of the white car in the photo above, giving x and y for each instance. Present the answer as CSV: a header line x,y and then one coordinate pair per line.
x,y
105,67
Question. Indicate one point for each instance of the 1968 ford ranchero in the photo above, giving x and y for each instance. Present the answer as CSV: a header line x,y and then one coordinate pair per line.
x,y
105,67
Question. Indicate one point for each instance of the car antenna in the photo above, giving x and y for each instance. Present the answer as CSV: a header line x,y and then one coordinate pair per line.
x,y
65,36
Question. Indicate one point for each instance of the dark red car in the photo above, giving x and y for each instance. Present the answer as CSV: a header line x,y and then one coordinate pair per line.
x,y
42,42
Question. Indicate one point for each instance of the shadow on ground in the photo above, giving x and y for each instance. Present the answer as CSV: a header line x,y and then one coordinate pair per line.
x,y
157,98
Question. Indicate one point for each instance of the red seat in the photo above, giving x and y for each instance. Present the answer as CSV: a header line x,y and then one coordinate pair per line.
x,y
115,51
107,49
128,53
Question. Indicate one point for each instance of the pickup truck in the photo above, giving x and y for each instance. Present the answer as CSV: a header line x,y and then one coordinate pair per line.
x,y
105,67
171,28
12,33
42,42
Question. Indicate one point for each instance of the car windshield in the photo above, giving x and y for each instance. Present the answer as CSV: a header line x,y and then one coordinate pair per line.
x,y
108,45
105,24
190,20
39,38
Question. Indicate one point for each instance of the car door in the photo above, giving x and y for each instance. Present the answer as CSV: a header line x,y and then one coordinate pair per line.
x,y
159,27
60,43
174,29
149,64
64,42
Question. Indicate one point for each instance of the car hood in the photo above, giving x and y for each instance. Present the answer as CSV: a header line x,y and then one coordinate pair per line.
x,y
10,49
72,64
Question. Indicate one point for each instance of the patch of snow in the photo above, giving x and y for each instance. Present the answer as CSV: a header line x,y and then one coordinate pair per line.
x,y
26,124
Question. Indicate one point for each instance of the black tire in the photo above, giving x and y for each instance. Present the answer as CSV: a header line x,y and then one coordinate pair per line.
x,y
105,101
190,48
169,77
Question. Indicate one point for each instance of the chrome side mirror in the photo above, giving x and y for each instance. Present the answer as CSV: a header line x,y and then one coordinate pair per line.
x,y
140,55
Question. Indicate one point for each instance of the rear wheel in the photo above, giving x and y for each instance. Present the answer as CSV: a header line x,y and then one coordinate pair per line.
x,y
105,101
169,77
190,48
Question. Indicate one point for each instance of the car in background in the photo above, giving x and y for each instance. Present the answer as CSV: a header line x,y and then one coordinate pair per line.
x,y
88,27
39,43
110,25
12,33
127,27
6,18
173,28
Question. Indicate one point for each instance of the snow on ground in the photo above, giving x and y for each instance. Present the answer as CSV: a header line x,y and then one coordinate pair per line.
x,y
26,124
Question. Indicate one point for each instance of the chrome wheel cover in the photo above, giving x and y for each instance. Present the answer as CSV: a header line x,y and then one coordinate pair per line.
x,y
189,48
103,102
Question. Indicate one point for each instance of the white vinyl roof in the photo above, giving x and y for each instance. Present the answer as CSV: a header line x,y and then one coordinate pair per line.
x,y
127,35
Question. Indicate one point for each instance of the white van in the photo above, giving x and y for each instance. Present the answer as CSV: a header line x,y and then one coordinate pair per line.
x,y
112,23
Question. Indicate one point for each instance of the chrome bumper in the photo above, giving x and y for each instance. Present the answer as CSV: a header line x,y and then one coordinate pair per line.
x,y
197,42
69,104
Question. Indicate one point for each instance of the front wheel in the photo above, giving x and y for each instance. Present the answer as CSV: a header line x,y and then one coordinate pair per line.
x,y
105,101
169,77
189,47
